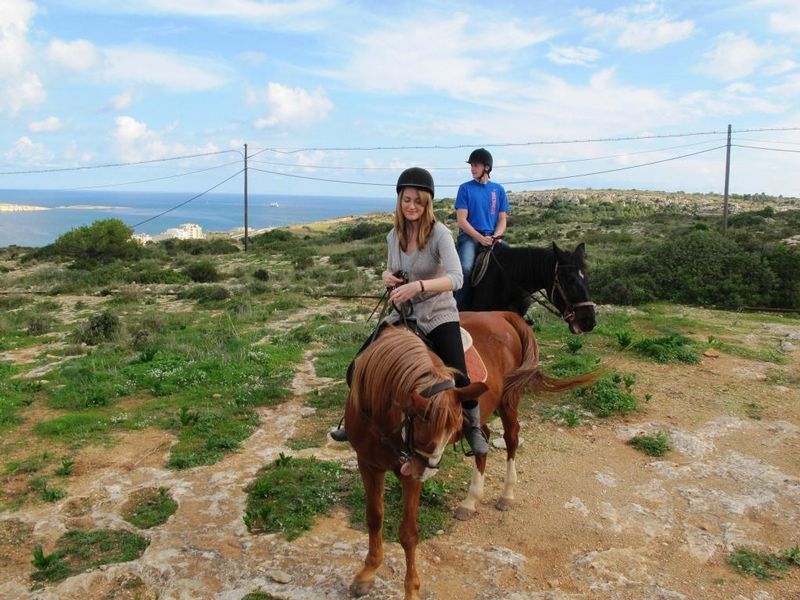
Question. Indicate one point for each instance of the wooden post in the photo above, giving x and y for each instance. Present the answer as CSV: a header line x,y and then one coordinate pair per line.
x,y
245,197
727,182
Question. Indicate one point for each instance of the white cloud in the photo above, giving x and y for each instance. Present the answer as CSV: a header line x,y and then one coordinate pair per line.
x,y
24,91
573,55
48,124
786,19
123,100
77,55
456,54
290,107
649,35
640,28
160,68
733,56
29,152
14,49
253,58
20,88
243,9
135,141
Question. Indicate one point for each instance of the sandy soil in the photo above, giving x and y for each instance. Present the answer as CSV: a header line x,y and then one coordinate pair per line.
x,y
594,518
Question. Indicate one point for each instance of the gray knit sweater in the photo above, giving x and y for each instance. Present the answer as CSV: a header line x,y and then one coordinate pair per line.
x,y
438,258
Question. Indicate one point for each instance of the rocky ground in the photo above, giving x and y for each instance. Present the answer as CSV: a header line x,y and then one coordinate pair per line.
x,y
594,518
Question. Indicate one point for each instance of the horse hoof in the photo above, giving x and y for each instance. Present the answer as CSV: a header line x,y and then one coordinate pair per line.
x,y
504,504
360,588
464,514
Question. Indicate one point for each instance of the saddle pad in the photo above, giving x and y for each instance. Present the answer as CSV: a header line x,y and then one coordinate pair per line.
x,y
476,370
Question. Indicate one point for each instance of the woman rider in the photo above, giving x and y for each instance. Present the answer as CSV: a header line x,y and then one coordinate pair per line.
x,y
422,249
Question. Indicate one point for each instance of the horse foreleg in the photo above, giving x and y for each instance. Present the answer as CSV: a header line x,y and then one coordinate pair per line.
x,y
510,420
469,505
373,486
409,534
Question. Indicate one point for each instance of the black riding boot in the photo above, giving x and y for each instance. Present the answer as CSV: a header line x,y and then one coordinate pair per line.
x,y
476,438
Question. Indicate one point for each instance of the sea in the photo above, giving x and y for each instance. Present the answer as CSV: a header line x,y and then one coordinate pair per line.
x,y
69,209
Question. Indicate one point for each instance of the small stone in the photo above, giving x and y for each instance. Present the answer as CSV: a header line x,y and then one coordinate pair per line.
x,y
436,559
711,353
279,576
553,583
216,396
440,532
787,346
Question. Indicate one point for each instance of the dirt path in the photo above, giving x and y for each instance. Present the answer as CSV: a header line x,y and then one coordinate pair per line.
x,y
594,518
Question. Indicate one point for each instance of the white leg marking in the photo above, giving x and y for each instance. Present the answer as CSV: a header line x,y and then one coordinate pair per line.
x,y
475,490
511,480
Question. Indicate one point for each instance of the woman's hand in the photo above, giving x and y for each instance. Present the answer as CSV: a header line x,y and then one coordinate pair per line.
x,y
390,281
405,292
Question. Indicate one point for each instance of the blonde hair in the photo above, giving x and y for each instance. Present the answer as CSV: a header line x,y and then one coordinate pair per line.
x,y
426,220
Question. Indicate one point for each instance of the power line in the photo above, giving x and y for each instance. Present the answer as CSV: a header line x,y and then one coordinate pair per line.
x,y
763,148
124,164
169,210
628,167
654,162
107,185
510,166
512,144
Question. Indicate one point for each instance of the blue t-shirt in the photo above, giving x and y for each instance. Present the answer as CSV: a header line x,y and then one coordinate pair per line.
x,y
484,202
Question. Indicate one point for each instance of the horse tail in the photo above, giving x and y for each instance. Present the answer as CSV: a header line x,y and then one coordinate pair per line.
x,y
529,372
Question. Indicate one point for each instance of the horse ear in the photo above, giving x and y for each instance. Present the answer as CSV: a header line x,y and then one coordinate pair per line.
x,y
580,250
471,391
556,249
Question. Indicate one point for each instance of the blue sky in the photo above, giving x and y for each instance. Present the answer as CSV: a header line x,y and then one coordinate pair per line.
x,y
314,86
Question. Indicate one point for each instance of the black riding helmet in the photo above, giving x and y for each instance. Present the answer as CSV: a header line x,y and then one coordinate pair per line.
x,y
415,177
483,156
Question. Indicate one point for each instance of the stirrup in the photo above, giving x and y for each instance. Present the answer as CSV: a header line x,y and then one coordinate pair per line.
x,y
338,435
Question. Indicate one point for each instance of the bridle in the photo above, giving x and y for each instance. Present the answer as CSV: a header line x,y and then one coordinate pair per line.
x,y
569,307
407,450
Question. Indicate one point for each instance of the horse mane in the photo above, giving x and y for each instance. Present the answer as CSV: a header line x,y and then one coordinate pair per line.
x,y
392,368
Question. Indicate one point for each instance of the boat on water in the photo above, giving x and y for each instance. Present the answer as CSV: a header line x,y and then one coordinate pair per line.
x,y
275,204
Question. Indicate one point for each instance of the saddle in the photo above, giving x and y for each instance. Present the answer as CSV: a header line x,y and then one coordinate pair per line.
x,y
476,369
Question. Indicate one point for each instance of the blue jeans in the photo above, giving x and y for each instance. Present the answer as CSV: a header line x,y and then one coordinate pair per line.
x,y
467,251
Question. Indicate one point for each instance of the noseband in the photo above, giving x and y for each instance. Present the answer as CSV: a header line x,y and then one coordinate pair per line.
x,y
569,308
407,450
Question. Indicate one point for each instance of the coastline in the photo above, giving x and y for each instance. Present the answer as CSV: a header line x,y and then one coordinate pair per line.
x,y
21,208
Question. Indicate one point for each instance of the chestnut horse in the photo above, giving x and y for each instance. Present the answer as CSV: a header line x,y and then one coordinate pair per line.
x,y
511,355
402,410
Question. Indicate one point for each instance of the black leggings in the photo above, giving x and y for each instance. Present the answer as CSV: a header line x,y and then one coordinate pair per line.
x,y
446,343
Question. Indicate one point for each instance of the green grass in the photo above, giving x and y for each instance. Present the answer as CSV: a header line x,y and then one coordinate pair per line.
x,y
671,348
149,508
609,395
78,551
764,565
652,445
289,493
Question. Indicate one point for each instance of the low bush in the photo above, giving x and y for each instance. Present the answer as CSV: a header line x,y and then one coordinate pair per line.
x,y
202,272
101,327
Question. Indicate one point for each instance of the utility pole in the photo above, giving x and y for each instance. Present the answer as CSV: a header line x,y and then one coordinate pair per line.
x,y
245,193
727,182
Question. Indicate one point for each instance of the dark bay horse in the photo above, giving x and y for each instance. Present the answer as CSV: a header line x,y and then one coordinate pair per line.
x,y
402,410
513,275
511,355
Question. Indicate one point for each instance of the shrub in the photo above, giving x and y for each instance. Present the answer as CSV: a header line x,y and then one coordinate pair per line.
x,y
101,327
202,272
90,245
261,274
652,445
205,293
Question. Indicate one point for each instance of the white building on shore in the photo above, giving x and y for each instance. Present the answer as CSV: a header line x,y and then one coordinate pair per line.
x,y
184,231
